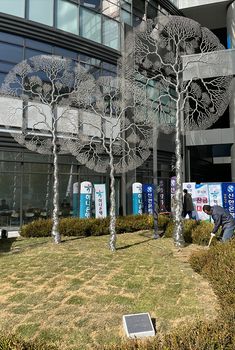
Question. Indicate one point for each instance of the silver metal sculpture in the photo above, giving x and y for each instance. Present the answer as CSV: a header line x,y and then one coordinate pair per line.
x,y
115,133
180,102
45,85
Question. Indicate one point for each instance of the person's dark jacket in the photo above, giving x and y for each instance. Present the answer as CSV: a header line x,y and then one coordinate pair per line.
x,y
221,218
188,203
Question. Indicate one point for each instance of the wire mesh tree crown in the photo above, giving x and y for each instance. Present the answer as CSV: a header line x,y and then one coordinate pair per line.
x,y
154,58
115,128
46,85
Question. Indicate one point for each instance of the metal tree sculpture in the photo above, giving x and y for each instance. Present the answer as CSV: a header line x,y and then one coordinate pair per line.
x,y
155,60
46,85
115,134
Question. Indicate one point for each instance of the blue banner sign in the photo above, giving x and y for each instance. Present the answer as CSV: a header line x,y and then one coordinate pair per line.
x,y
75,199
148,198
137,198
228,194
85,199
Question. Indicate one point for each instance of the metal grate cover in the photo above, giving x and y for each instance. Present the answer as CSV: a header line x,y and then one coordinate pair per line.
x,y
138,325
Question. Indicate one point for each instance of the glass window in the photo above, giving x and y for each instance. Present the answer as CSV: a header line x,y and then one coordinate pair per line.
x,y
11,53
136,21
109,66
11,39
151,11
126,17
37,195
37,45
125,5
90,60
30,53
111,33
13,7
108,73
93,4
67,16
95,71
111,8
41,11
5,67
65,53
2,77
90,25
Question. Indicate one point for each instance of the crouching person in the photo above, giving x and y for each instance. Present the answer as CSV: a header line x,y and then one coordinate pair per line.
x,y
221,218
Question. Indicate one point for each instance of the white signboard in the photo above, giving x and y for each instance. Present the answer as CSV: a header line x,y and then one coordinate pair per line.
x,y
201,198
215,194
100,201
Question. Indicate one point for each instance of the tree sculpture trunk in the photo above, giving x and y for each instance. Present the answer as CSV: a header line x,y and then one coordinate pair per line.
x,y
55,227
155,183
112,226
178,232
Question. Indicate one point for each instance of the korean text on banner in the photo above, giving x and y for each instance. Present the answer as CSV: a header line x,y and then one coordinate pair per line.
x,y
228,194
100,201
162,196
137,198
85,199
202,197
215,194
148,198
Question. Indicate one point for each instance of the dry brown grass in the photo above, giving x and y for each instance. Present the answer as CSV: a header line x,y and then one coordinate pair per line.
x,y
74,294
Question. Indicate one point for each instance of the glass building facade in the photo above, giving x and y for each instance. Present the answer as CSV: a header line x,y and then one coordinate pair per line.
x,y
89,32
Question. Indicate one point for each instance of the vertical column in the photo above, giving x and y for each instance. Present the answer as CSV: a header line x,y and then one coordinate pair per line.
x,y
231,45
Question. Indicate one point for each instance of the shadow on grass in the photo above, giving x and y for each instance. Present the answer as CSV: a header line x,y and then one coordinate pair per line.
x,y
154,322
137,243
6,244
72,239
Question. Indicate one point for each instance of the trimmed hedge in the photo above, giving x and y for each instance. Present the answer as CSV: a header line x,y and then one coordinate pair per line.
x,y
218,265
199,336
188,227
92,227
197,232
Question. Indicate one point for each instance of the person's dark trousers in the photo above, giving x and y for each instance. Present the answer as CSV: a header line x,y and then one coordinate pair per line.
x,y
189,213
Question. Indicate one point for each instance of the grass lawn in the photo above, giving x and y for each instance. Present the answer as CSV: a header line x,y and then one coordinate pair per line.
x,y
74,294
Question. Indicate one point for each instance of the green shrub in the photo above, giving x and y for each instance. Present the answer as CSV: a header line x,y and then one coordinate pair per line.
x,y
198,260
218,265
37,228
169,229
188,226
199,336
163,221
201,233
89,227
12,342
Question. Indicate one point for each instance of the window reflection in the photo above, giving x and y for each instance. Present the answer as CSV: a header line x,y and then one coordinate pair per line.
x,y
111,34
11,53
93,4
111,8
67,16
41,11
90,25
13,7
